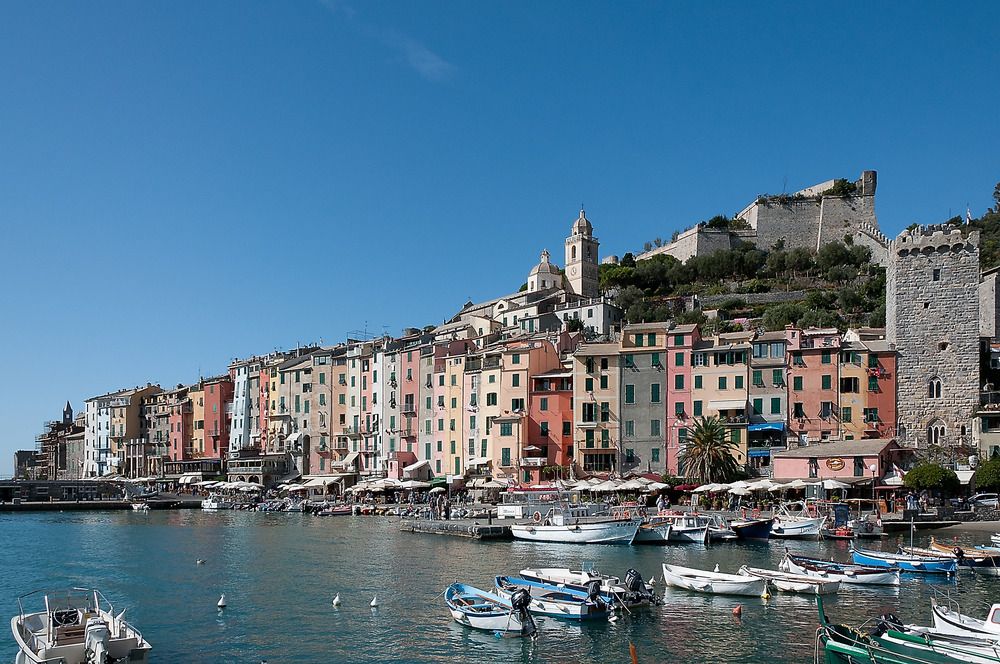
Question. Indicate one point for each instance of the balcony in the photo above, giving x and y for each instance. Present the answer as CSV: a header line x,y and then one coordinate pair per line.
x,y
533,462
409,408
352,431
340,445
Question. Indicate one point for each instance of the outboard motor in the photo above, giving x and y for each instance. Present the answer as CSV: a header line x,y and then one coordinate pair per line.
x,y
96,636
885,622
520,599
633,581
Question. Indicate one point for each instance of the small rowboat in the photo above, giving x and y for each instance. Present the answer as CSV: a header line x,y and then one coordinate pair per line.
x,y
630,593
483,610
793,583
752,529
844,572
551,600
713,583
906,562
983,562
950,620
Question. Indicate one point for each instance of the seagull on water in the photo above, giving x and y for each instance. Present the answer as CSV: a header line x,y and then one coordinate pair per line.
x,y
336,600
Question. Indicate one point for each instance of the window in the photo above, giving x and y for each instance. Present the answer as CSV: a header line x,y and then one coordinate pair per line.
x,y
678,382
543,403
827,382
491,398
936,275
440,424
654,390
590,438
629,427
588,384
757,378
588,365
297,408
797,383
722,382
697,382
760,350
604,364
506,429
797,360
813,467
588,414
678,359
697,409
799,410
441,380
758,406
872,361
516,404
825,357
651,339
777,349
775,405
515,380
604,382
453,380
440,446
629,455
454,402
735,435
738,382
849,384
654,427
629,362
825,409
679,408
638,340
655,455
544,429
859,466
678,339
322,379
777,377
871,414
451,425
630,394
452,447
505,456
567,429
845,414
605,411
873,383
934,391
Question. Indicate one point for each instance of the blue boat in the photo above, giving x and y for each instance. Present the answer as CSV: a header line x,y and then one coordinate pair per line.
x,y
484,610
551,600
905,562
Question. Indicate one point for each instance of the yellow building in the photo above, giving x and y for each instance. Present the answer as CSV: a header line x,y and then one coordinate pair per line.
x,y
720,375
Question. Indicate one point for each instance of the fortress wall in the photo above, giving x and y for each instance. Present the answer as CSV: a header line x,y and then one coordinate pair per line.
x,y
794,221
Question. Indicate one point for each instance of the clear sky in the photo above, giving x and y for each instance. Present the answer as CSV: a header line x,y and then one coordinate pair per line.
x,y
182,183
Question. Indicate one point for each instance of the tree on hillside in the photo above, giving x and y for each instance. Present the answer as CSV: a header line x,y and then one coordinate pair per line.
x,y
931,476
709,456
786,313
798,260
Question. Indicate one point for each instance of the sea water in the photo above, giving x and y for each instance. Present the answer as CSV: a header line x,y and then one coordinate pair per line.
x,y
281,571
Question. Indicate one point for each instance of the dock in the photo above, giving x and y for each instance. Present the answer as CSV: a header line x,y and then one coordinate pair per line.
x,y
458,528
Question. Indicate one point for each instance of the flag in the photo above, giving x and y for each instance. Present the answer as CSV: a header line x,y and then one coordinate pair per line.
x,y
968,214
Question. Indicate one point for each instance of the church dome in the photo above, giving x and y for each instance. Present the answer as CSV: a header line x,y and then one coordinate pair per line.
x,y
544,275
582,225
544,267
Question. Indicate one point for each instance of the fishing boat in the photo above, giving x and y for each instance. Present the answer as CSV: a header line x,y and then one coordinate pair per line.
x,y
719,530
566,522
632,592
714,583
905,562
892,643
654,531
950,620
798,520
74,626
793,583
686,527
978,560
484,610
215,502
850,573
551,600
752,529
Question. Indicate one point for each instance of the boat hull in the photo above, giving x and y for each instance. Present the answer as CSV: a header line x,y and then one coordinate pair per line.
x,y
613,590
754,529
550,600
794,583
654,532
904,562
845,573
620,531
797,528
712,583
479,609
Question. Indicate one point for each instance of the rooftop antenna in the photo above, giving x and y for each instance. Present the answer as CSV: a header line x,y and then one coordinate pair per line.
x,y
784,183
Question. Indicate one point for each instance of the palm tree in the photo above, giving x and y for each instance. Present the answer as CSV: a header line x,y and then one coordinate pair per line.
x,y
708,456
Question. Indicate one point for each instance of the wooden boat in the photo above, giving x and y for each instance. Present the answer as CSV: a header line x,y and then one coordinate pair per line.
x,y
484,610
891,643
551,600
337,510
752,529
630,593
793,583
215,502
714,583
983,562
75,626
570,523
906,562
950,620
850,573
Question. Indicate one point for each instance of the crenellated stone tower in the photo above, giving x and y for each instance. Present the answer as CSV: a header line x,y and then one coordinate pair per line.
x,y
581,258
932,316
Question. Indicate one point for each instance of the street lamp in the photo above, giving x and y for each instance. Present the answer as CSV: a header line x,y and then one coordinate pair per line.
x,y
874,469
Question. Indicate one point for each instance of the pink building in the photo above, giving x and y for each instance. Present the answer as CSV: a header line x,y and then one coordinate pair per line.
x,y
813,383
848,461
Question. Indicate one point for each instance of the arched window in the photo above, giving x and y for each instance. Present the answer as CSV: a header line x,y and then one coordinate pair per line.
x,y
572,253
934,388
936,433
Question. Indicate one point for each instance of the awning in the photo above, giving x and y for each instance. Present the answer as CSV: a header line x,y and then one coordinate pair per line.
x,y
294,438
964,475
767,426
759,453
347,460
319,482
478,461
416,466
189,478
728,404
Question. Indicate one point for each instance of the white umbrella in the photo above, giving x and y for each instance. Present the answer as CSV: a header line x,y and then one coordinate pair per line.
x,y
437,489
605,487
633,485
656,486
797,484
581,486
493,485
710,487
778,487
760,485
834,484
414,484
740,491
740,484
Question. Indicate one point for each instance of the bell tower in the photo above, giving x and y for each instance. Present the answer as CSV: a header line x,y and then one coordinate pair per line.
x,y
581,258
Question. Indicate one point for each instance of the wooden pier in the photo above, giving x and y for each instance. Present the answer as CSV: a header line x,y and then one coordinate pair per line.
x,y
475,529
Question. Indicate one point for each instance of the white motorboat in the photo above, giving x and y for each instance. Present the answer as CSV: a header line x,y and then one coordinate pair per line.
x,y
654,531
714,583
686,527
797,520
950,620
793,583
631,593
214,502
551,600
75,626
571,524
487,611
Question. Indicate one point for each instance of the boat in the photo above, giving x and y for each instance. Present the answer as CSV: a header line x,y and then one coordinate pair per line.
x,y
215,502
905,562
484,610
654,531
140,507
719,530
337,510
979,560
74,626
685,527
551,600
630,593
797,519
892,643
714,583
864,523
950,620
793,583
752,529
569,523
850,573
995,538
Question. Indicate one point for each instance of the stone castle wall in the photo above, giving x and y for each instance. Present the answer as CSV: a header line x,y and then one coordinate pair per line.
x,y
932,315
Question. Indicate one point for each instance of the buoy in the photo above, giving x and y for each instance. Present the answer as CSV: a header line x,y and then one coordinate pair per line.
x,y
738,610
222,601
716,570
374,603
200,561
766,595
336,600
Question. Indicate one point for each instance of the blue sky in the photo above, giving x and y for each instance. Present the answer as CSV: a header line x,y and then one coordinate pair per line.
x,y
182,183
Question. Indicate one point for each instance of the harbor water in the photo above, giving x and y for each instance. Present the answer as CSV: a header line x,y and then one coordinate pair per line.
x,y
281,571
